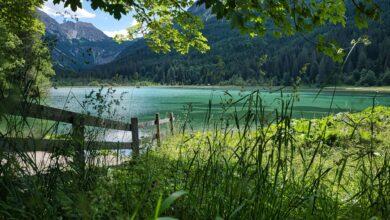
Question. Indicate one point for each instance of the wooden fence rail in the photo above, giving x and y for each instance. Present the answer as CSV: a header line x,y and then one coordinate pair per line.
x,y
79,121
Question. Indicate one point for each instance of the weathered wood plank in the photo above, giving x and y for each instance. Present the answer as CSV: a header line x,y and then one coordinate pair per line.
x,y
171,119
78,142
146,124
135,136
78,121
165,120
151,123
158,129
29,144
54,114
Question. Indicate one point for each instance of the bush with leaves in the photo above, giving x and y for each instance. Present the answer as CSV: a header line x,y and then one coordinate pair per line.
x,y
25,63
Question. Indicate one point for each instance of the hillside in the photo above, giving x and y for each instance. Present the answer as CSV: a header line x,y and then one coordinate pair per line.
x,y
235,59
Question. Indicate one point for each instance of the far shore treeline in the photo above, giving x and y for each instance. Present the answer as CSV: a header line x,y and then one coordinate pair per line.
x,y
236,59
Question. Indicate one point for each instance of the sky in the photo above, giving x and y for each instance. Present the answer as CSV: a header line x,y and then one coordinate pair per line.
x,y
102,20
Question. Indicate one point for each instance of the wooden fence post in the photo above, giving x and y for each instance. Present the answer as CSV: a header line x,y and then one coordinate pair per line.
x,y
157,123
135,137
78,137
171,122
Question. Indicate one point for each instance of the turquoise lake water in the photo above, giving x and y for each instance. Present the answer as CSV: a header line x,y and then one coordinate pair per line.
x,y
146,101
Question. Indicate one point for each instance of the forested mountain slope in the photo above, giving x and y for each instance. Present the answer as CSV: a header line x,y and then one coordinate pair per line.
x,y
236,59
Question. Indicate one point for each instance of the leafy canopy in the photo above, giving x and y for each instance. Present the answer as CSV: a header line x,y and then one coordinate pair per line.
x,y
166,24
25,64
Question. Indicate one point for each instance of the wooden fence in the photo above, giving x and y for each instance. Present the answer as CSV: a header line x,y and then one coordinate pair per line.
x,y
79,121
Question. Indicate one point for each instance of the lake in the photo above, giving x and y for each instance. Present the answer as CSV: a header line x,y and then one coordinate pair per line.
x,y
144,102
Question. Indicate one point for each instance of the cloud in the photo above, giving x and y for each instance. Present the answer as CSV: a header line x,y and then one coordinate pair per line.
x,y
113,33
133,23
59,10
122,32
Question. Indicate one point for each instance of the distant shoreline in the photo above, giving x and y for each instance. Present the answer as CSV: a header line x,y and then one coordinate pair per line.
x,y
383,89
373,89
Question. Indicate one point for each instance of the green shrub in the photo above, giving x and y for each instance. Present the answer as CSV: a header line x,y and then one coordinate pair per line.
x,y
94,83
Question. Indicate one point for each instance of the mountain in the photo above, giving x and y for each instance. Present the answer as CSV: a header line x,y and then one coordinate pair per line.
x,y
239,59
82,30
78,45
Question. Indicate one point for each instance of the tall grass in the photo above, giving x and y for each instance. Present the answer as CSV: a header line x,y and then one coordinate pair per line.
x,y
245,164
260,165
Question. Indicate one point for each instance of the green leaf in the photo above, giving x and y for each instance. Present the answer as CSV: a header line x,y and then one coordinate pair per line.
x,y
331,49
277,34
360,21
74,4
170,200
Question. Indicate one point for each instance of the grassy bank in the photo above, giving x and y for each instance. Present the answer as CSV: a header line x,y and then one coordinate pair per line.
x,y
334,167
383,89
255,165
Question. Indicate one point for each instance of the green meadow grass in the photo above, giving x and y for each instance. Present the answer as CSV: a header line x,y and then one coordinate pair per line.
x,y
255,165
331,168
